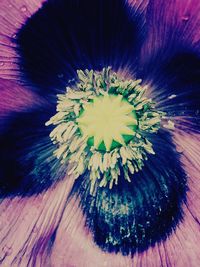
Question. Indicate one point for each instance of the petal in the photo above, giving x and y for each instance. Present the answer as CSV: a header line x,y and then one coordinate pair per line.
x,y
174,86
189,147
76,248
182,248
13,13
28,225
25,142
65,36
170,59
134,216
17,98
49,233
171,25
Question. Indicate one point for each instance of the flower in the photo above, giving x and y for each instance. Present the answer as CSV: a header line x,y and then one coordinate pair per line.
x,y
142,206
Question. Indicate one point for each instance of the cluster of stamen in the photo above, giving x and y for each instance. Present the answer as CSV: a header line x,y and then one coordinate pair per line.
x,y
100,126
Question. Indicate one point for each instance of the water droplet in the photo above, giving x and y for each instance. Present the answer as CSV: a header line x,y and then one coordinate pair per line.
x,y
10,6
14,36
17,25
7,250
179,149
23,8
1,63
185,18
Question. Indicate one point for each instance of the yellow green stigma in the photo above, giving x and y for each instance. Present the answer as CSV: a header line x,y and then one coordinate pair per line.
x,y
108,121
101,127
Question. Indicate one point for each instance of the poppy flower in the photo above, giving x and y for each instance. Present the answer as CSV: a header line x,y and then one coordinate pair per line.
x,y
99,137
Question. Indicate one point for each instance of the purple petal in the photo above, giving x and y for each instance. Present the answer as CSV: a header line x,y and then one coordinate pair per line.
x,y
16,98
13,14
170,25
170,59
25,142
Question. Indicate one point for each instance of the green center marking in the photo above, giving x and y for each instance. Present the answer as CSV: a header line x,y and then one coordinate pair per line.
x,y
108,122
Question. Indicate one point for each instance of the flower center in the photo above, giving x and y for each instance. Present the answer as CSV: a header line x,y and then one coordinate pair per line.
x,y
108,122
101,127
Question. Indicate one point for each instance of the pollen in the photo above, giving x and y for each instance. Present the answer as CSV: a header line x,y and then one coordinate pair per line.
x,y
108,121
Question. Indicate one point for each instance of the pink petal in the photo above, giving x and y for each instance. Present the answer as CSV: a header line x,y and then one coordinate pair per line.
x,y
75,247
13,13
27,225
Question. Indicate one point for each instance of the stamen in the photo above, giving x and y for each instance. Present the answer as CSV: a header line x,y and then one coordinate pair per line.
x,y
102,125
